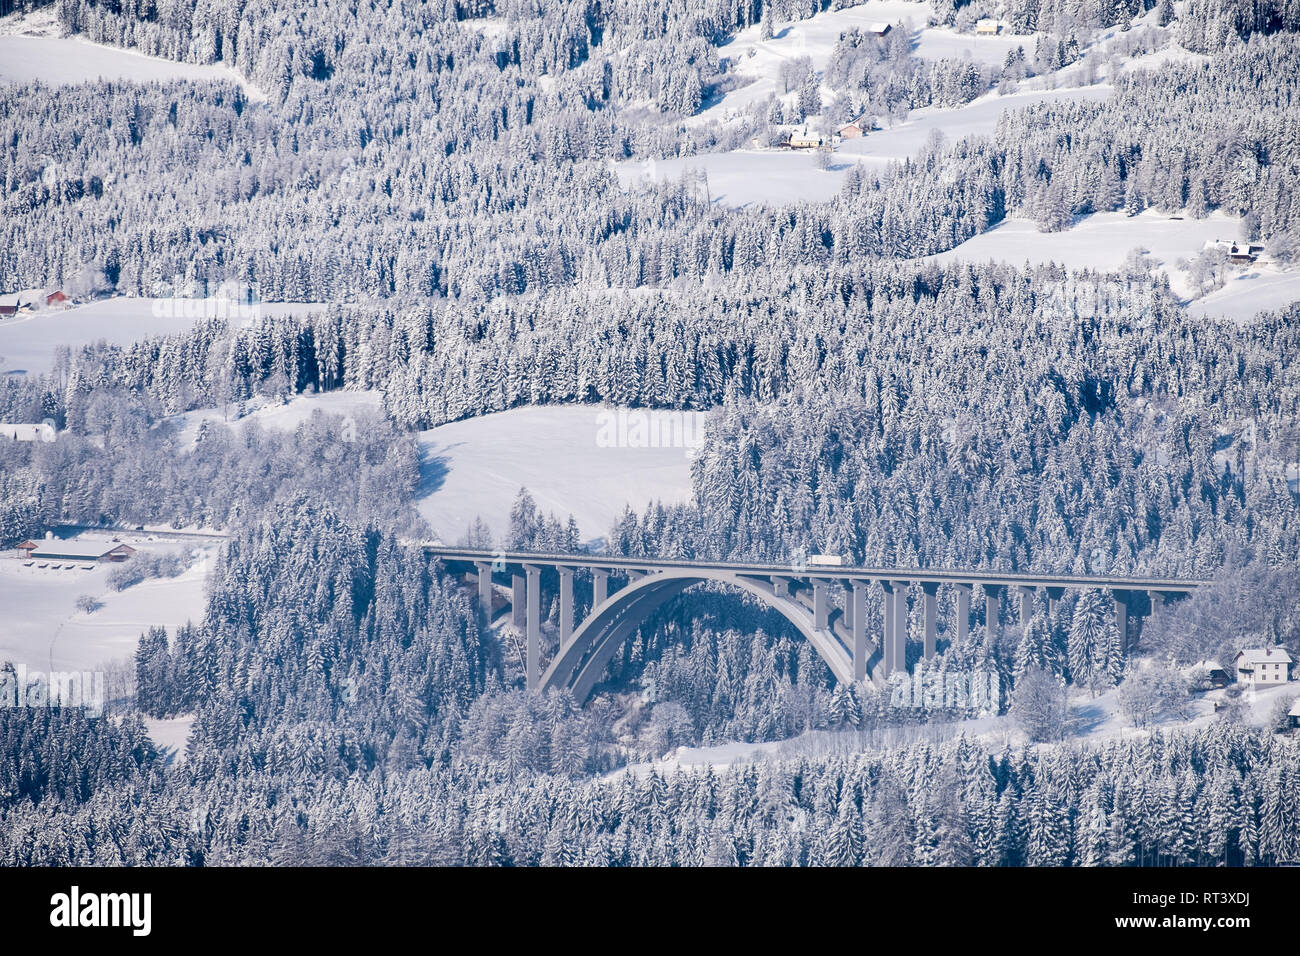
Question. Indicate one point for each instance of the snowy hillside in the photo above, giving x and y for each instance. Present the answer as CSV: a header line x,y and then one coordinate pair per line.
x,y
57,61
745,176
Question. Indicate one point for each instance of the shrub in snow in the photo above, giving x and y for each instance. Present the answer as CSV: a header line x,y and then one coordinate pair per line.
x,y
1039,705
1151,693
167,564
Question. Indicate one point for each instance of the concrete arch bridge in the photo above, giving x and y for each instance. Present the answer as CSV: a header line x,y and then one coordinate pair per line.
x,y
802,594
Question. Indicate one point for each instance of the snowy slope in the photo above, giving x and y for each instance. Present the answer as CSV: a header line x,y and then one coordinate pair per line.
x,y
979,117
815,38
477,467
747,176
760,60
1249,292
1101,241
286,416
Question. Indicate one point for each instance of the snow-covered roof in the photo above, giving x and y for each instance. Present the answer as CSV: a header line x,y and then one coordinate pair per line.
x,y
1295,708
76,549
1264,655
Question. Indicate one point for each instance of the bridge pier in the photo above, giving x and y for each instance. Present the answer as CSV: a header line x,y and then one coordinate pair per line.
x,y
992,608
599,587
1121,618
931,592
518,599
887,642
821,606
1026,596
859,625
566,603
898,647
1053,595
484,569
963,611
534,627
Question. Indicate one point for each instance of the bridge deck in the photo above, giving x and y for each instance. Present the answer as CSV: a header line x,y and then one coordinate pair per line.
x,y
913,575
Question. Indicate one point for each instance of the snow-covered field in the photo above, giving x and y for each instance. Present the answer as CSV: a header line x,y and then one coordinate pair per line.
x,y
935,43
42,628
28,341
748,176
61,61
477,467
170,735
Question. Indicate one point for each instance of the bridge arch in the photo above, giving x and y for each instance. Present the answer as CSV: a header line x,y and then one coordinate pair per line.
x,y
579,664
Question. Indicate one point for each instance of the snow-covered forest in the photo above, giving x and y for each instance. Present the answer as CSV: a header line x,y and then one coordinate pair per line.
x,y
438,180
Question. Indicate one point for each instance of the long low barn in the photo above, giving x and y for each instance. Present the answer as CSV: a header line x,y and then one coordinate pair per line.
x,y
57,550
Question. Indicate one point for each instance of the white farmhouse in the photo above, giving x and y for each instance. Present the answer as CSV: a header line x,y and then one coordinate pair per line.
x,y
1263,666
